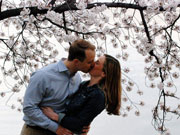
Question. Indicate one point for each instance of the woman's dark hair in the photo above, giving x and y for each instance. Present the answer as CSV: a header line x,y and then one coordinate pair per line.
x,y
112,84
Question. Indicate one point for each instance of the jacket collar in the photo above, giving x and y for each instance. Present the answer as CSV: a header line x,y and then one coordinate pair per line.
x,y
90,88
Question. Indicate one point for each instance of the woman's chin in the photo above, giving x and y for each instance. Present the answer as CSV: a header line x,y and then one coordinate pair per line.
x,y
90,72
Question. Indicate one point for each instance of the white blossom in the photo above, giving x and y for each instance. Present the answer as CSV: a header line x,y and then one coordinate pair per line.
x,y
2,94
13,106
152,85
10,42
25,11
69,38
126,70
140,92
106,30
128,88
20,60
137,113
170,84
160,86
81,5
142,3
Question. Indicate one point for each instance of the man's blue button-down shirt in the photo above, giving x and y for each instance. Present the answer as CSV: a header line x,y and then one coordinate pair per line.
x,y
50,86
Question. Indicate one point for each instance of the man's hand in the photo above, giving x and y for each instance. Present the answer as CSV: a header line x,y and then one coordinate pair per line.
x,y
63,131
85,130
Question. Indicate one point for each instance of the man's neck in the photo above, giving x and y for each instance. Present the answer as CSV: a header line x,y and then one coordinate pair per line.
x,y
70,66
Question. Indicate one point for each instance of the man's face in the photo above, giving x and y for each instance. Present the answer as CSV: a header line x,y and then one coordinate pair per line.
x,y
88,62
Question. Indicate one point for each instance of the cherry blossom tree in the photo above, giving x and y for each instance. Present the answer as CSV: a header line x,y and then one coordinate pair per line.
x,y
34,32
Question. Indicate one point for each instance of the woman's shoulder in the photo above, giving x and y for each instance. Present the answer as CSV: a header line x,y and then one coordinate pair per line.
x,y
97,92
94,91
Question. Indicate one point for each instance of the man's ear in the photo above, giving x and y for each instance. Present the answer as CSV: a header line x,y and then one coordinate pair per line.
x,y
76,61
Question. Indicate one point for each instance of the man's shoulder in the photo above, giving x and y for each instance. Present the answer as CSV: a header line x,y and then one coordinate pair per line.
x,y
38,74
50,68
45,70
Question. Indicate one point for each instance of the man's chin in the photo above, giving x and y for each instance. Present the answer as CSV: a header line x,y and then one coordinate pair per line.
x,y
85,71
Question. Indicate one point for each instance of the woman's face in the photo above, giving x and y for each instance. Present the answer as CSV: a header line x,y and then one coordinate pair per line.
x,y
97,70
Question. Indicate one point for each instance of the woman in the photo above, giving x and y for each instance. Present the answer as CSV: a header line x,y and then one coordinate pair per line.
x,y
102,91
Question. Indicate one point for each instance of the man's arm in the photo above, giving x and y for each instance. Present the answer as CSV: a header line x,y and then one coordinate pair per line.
x,y
33,96
54,116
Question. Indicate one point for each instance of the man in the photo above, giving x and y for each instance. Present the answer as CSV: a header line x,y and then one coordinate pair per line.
x,y
53,86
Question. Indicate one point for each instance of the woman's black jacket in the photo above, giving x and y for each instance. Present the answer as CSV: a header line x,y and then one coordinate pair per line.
x,y
85,105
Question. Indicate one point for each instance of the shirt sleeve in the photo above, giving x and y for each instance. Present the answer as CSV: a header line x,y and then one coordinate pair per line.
x,y
33,96
93,107
60,117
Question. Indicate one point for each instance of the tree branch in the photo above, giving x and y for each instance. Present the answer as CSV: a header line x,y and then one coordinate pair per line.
x,y
52,2
70,6
0,5
64,20
145,26
68,29
65,7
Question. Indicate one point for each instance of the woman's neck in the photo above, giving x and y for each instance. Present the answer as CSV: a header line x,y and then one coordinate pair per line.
x,y
94,80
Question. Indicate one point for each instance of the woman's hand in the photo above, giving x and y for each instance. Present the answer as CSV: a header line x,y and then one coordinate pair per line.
x,y
85,130
63,131
50,113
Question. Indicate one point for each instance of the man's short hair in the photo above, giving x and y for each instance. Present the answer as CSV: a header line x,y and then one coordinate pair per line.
x,y
77,49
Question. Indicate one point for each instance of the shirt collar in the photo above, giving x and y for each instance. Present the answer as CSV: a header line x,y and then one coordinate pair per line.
x,y
61,66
